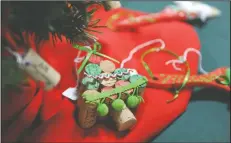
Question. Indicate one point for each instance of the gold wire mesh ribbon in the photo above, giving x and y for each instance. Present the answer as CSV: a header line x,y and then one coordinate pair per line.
x,y
94,51
116,16
147,68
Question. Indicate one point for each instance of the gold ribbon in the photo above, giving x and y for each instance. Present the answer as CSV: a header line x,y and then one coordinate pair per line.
x,y
147,68
117,16
94,51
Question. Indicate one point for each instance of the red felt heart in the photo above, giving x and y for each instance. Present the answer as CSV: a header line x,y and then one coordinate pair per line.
x,y
153,115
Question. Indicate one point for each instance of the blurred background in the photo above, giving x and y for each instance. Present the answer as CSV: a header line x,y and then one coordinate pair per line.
x,y
207,118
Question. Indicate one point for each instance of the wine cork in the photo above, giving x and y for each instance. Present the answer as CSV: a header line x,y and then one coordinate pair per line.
x,y
107,66
95,59
88,113
124,83
40,70
108,82
136,77
124,119
108,100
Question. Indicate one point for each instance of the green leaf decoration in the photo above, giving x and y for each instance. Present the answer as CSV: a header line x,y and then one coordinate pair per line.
x,y
118,105
102,110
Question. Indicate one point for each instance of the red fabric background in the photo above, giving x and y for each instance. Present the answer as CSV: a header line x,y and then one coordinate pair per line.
x,y
57,113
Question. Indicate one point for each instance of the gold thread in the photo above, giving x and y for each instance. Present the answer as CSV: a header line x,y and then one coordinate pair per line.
x,y
166,79
115,17
186,77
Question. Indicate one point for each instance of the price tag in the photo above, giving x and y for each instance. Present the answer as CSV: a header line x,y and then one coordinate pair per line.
x,y
40,70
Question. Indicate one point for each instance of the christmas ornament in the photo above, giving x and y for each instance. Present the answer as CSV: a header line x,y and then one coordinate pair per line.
x,y
113,93
149,119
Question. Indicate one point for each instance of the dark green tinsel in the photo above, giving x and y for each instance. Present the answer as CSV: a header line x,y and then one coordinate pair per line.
x,y
42,17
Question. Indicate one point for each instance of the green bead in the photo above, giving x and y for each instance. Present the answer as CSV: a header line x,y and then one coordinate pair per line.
x,y
132,101
102,110
118,104
228,73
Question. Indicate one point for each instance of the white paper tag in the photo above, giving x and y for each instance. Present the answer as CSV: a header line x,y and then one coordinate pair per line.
x,y
71,93
40,70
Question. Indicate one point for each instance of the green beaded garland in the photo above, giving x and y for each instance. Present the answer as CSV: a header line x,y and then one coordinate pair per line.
x,y
132,101
118,104
102,110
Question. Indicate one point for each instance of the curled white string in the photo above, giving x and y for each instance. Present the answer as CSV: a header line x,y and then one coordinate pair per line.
x,y
183,58
139,47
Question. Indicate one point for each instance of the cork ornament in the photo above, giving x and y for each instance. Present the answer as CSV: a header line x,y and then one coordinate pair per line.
x,y
105,89
116,91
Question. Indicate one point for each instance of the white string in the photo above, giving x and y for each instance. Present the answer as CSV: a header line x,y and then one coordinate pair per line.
x,y
139,47
78,60
72,92
184,58
174,62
